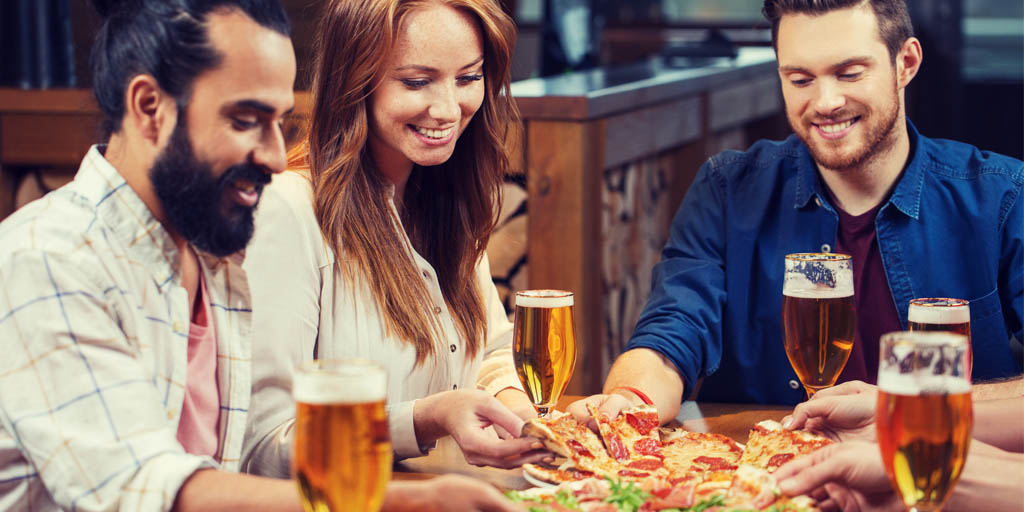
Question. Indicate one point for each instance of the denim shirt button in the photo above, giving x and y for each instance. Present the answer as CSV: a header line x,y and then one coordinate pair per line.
x,y
817,201
826,248
794,384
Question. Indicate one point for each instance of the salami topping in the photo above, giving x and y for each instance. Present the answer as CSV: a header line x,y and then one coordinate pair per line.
x,y
580,449
714,463
643,424
647,446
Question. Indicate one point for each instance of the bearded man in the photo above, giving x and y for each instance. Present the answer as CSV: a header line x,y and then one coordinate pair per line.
x,y
920,217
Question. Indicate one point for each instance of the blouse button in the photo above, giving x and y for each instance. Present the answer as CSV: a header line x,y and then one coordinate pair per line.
x,y
437,310
452,347
826,248
426,275
794,384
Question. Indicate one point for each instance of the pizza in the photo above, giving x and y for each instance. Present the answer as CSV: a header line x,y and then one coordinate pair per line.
x,y
667,466
770,446
750,489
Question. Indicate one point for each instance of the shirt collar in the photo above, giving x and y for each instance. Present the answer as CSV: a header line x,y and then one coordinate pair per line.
x,y
906,196
131,221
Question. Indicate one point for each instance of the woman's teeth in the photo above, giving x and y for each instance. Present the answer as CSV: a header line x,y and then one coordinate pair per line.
x,y
433,134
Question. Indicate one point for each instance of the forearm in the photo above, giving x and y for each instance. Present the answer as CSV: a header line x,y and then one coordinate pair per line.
x,y
998,422
651,373
995,390
989,482
219,491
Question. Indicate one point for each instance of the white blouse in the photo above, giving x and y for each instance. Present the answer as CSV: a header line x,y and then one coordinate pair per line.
x,y
303,306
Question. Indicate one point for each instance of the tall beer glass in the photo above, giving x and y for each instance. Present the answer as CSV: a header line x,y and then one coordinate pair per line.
x,y
924,415
342,453
818,316
941,314
544,344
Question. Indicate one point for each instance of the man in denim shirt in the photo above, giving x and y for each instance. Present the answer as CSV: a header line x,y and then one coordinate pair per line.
x,y
921,217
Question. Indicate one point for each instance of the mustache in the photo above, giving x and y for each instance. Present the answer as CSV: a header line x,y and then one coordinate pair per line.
x,y
258,175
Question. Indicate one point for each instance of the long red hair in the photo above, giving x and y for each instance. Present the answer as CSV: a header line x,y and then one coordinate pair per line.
x,y
449,210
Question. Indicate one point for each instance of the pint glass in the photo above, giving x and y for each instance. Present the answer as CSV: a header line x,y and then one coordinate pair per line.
x,y
342,454
818,316
544,344
924,415
940,314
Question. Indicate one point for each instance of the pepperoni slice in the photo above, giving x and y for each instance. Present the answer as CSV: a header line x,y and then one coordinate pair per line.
x,y
616,448
780,459
580,449
644,424
647,446
714,463
630,472
648,464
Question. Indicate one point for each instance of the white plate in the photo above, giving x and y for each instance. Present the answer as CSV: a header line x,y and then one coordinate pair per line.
x,y
537,482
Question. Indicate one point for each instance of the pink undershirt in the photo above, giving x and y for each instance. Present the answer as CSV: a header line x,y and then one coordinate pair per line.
x,y
197,429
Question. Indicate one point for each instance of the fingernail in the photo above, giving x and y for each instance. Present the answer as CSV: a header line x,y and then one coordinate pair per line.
x,y
787,422
549,460
537,446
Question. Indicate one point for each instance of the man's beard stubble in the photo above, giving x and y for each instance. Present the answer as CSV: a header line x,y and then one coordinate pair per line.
x,y
877,140
193,199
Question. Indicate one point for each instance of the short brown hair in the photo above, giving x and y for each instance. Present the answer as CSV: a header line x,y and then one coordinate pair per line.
x,y
894,25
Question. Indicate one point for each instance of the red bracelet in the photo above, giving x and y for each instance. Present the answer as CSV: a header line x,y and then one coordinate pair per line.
x,y
637,392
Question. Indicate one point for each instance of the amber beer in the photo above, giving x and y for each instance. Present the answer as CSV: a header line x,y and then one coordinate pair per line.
x,y
818,317
924,415
942,314
342,454
544,344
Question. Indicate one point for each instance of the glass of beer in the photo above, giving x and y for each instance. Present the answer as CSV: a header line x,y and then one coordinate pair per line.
x,y
544,344
818,316
941,314
924,416
342,453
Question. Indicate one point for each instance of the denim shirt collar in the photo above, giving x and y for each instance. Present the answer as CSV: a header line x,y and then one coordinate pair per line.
x,y
906,197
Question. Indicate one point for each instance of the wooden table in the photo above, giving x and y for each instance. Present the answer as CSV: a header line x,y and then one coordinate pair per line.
x,y
733,420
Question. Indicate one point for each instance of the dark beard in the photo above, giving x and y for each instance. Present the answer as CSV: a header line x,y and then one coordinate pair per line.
x,y
878,140
194,200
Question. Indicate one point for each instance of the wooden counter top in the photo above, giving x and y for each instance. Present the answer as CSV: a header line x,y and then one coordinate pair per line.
x,y
600,92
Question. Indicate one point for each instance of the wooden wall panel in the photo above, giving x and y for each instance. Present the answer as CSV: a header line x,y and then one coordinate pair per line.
x,y
563,181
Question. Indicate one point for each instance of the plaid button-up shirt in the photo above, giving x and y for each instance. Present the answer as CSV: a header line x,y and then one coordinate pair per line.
x,y
93,351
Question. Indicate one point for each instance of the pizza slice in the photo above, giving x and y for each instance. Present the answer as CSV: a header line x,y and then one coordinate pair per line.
x,y
632,439
555,475
632,434
769,446
563,435
695,455
756,489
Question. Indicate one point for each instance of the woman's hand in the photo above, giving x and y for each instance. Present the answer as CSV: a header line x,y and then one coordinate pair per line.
x,y
467,416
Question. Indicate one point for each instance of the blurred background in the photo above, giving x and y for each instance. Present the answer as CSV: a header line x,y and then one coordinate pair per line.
x,y
622,101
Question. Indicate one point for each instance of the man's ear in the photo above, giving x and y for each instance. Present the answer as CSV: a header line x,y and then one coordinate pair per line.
x,y
908,61
151,112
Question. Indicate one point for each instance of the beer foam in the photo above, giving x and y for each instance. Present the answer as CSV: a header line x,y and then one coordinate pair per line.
x,y
917,384
328,387
544,299
939,314
820,293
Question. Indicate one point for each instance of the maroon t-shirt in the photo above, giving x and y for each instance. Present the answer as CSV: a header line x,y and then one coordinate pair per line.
x,y
876,311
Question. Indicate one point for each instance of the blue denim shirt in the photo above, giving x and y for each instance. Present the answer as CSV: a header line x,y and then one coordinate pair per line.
x,y
953,227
